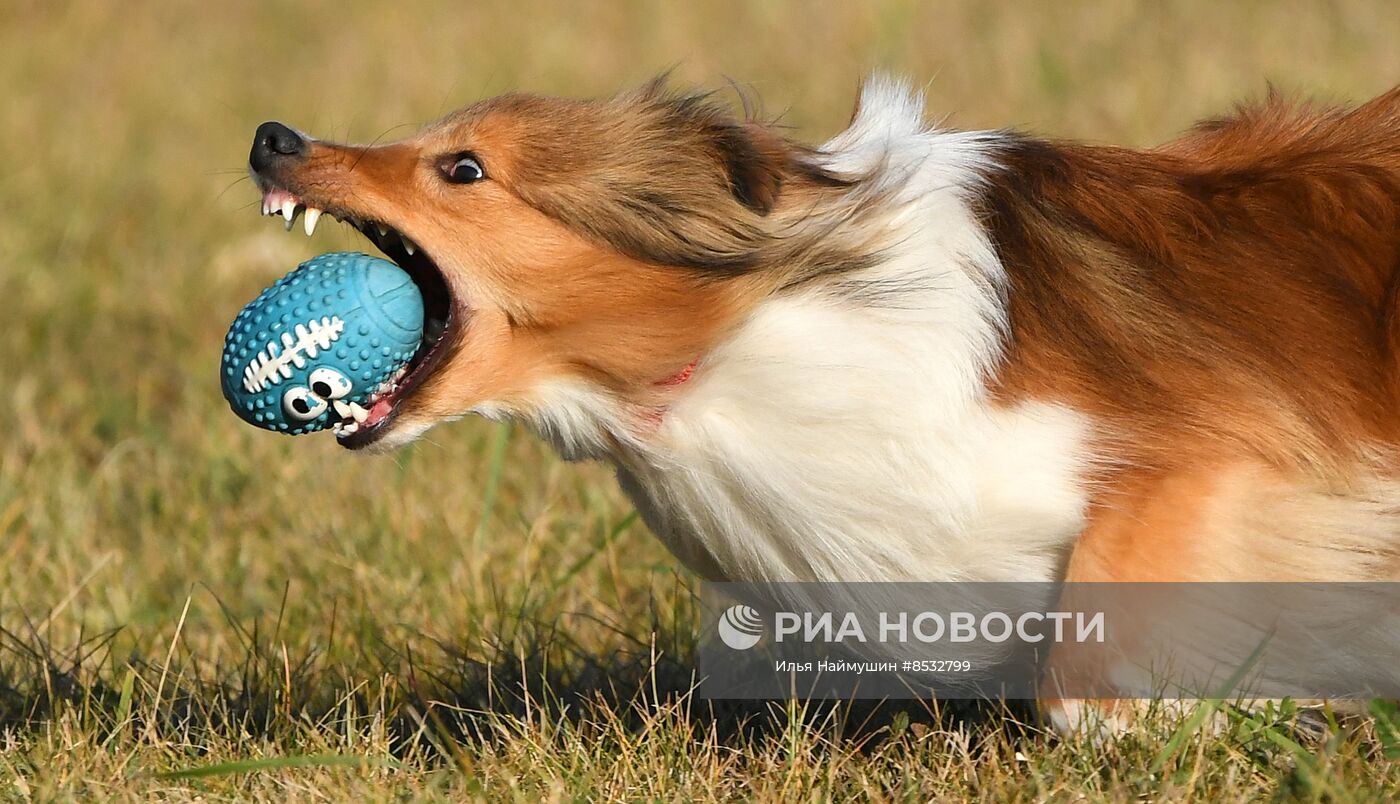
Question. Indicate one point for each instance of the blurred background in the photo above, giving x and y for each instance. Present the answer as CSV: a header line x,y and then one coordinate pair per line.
x,y
129,237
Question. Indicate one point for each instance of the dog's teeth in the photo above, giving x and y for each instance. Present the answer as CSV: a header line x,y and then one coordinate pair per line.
x,y
338,428
309,222
408,245
350,429
359,412
289,208
342,409
383,230
265,208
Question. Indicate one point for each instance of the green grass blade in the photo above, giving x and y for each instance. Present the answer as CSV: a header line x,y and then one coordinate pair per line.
x,y
1387,717
1207,707
608,538
500,440
123,713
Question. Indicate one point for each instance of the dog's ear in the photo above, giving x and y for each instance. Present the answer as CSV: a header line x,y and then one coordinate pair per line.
x,y
670,178
755,161
753,158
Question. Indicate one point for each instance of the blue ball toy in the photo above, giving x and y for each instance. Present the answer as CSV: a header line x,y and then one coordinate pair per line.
x,y
310,351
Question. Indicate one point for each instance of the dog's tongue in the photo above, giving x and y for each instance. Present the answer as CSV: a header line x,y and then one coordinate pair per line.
x,y
378,411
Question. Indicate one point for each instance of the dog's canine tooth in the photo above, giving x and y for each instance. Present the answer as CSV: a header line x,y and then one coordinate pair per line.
x,y
309,222
383,230
358,412
408,245
289,208
342,408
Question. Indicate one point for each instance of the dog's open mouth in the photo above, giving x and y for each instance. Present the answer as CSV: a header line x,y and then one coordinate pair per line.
x,y
443,316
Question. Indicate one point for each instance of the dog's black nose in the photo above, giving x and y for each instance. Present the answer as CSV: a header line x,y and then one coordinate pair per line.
x,y
273,142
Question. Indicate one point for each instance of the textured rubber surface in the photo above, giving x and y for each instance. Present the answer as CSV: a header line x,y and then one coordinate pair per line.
x,y
330,331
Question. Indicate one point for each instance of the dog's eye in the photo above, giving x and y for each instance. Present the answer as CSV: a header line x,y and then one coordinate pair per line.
x,y
328,383
303,405
462,169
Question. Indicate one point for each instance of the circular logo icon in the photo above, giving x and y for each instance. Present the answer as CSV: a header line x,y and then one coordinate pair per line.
x,y
740,627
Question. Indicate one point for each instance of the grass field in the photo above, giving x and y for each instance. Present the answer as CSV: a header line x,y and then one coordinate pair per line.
x,y
473,618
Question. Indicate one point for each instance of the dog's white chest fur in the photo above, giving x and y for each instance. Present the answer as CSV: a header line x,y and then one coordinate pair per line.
x,y
863,461
844,431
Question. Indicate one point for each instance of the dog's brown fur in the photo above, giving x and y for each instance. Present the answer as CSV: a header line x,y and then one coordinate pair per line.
x,y
1226,302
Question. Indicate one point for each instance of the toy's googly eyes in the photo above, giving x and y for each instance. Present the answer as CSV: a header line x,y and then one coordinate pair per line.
x,y
328,383
303,405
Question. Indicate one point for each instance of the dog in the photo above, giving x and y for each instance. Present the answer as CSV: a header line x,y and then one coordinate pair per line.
x,y
910,353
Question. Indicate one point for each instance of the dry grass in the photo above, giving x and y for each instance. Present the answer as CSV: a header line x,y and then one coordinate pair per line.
x,y
472,618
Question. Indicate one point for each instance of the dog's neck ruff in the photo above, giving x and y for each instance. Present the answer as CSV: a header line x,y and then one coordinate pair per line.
x,y
844,432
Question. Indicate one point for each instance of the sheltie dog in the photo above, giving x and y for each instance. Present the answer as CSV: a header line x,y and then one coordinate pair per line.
x,y
910,353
